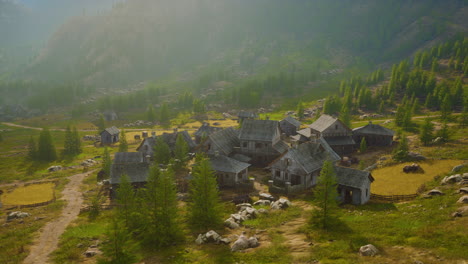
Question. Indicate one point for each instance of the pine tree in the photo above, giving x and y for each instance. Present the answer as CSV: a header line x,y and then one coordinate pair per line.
x,y
125,200
181,150
425,134
46,149
345,116
151,114
363,145
32,149
68,143
446,108
101,123
162,152
300,110
123,145
118,249
163,228
205,207
444,132
401,152
325,196
164,114
76,142
106,162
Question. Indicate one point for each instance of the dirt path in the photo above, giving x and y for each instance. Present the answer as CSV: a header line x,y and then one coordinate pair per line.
x,y
51,232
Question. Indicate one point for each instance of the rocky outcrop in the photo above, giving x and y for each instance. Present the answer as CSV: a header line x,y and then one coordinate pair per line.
x,y
368,250
280,204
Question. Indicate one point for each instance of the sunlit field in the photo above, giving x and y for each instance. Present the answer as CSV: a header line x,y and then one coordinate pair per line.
x,y
30,194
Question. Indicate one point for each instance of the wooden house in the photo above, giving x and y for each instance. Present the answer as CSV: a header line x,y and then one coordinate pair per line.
x,y
224,142
230,172
299,168
146,147
289,126
131,164
261,141
335,132
243,115
375,135
204,131
354,186
110,135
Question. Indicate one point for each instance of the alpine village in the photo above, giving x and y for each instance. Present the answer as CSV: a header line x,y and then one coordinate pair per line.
x,y
224,131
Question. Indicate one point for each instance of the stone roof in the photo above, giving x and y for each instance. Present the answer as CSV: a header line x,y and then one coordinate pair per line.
x,y
225,164
111,130
130,164
340,141
247,114
306,158
225,140
373,129
292,121
205,129
258,130
322,123
353,178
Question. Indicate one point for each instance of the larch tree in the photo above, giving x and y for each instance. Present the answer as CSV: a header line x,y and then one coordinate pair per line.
x,y
32,149
46,149
101,123
325,196
426,132
106,162
118,249
125,200
205,209
363,145
401,152
76,142
181,151
445,108
345,116
300,110
162,152
123,145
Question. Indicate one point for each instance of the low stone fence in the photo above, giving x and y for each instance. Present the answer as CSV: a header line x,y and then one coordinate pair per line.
x,y
392,198
287,189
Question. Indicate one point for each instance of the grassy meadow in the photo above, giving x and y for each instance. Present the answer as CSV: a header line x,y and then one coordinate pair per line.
x,y
29,194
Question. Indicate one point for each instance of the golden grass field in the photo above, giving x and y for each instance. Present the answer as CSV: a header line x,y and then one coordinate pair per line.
x,y
30,194
392,180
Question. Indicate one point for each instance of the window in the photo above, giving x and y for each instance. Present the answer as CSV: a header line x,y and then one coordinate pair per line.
x,y
244,144
336,127
258,145
278,174
226,176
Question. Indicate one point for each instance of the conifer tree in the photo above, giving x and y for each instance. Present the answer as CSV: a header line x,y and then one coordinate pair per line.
x,y
68,144
101,123
425,134
125,200
300,110
444,132
46,149
205,207
32,149
162,152
164,114
106,162
151,114
181,150
118,249
445,108
345,116
464,115
123,145
401,152
325,196
363,145
76,142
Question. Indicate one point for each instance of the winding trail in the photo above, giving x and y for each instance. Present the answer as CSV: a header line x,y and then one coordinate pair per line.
x,y
48,239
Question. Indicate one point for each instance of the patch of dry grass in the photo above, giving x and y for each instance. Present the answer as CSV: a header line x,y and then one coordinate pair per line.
x,y
30,194
392,180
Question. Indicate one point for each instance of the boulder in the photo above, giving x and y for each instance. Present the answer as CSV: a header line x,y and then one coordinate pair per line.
x,y
463,182
54,168
241,243
242,206
238,218
458,168
438,140
463,190
463,199
212,236
200,239
266,196
262,202
262,211
225,241
451,179
90,253
416,156
461,211
434,192
17,215
280,204
253,242
230,223
249,213
368,250
465,176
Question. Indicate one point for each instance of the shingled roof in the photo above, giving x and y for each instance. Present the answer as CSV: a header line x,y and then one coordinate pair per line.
x,y
292,121
307,157
340,141
322,123
112,130
130,164
225,140
373,129
205,129
247,114
170,139
225,164
353,178
260,130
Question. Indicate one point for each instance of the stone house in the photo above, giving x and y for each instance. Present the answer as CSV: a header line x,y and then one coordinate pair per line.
x,y
204,131
375,135
335,132
289,126
354,186
131,164
261,141
230,172
299,168
110,135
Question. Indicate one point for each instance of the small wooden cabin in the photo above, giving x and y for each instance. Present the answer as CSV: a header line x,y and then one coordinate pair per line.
x,y
289,126
375,135
110,135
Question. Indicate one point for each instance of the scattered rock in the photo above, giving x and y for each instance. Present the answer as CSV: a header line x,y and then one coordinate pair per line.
x,y
416,156
90,253
253,242
463,190
266,196
438,140
241,243
17,215
262,202
281,204
458,168
368,250
412,168
262,211
249,213
54,168
225,241
242,206
465,176
463,182
451,179
230,223
209,237
80,245
434,192
463,199
457,214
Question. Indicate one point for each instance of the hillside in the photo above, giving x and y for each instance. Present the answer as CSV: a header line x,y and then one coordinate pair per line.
x,y
144,40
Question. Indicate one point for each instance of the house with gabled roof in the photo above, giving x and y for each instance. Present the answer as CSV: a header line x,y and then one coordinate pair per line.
x,y
131,164
354,186
230,172
110,135
224,142
243,115
298,169
261,141
289,126
204,131
336,133
146,147
374,134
